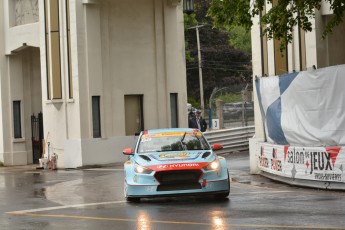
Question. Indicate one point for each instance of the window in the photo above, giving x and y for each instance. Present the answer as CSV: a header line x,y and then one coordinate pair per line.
x,y
302,49
280,57
17,120
68,26
96,116
173,110
53,55
264,51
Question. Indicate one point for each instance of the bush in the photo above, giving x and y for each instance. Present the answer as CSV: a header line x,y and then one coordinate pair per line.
x,y
1,164
231,97
193,102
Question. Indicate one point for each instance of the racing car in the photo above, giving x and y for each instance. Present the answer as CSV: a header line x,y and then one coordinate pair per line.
x,y
174,162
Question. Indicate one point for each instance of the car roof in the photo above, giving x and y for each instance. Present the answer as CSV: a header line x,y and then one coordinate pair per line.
x,y
153,131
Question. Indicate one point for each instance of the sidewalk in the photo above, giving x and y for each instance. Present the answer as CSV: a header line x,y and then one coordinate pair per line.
x,y
20,168
36,167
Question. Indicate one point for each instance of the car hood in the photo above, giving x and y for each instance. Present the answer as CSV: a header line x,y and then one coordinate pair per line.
x,y
176,157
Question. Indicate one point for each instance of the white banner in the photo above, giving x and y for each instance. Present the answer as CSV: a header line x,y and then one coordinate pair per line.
x,y
305,108
311,163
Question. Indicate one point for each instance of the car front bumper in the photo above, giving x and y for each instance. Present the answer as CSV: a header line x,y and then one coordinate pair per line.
x,y
206,188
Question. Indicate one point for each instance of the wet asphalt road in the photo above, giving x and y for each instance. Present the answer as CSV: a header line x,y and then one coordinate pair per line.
x,y
93,199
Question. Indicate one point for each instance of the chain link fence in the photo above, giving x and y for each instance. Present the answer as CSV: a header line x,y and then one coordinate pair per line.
x,y
230,107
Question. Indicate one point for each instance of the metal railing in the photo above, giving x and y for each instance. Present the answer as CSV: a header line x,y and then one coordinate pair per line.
x,y
233,140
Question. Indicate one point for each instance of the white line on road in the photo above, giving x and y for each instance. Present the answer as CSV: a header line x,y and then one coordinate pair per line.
x,y
103,169
262,192
65,206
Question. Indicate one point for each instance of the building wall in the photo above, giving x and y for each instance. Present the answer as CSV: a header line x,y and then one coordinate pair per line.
x,y
19,80
307,49
135,47
318,52
258,70
328,49
128,48
118,48
2,74
24,86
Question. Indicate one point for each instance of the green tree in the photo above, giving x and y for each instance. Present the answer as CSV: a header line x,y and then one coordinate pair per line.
x,y
279,21
223,65
189,20
240,38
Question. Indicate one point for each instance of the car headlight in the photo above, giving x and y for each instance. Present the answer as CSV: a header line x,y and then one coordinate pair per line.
x,y
141,169
214,165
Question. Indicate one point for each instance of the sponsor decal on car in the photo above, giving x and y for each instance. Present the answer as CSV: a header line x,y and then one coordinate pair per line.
x,y
175,155
171,134
178,166
150,188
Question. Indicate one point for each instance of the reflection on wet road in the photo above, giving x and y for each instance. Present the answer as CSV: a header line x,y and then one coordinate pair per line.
x,y
93,199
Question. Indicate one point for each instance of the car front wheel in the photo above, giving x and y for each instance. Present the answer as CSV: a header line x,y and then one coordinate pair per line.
x,y
221,195
133,199
129,199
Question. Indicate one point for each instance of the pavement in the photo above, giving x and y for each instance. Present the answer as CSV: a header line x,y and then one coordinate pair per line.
x,y
21,168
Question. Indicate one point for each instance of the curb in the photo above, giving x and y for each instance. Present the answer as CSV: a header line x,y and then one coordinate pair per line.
x,y
325,185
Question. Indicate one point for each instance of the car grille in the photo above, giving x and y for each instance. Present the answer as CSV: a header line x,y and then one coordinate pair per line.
x,y
178,180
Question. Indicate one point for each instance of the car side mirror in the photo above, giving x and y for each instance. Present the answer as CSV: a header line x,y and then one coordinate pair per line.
x,y
128,151
217,146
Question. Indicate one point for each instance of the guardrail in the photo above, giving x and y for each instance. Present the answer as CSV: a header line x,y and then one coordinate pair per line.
x,y
233,140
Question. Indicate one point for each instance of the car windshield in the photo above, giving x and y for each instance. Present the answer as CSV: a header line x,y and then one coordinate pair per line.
x,y
172,141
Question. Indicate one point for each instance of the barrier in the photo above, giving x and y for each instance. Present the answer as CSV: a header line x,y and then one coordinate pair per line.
x,y
304,129
233,140
317,167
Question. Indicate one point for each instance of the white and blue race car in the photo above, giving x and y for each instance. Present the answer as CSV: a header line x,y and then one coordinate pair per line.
x,y
174,162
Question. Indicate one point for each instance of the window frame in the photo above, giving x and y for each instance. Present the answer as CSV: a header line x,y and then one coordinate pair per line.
x,y
17,120
96,114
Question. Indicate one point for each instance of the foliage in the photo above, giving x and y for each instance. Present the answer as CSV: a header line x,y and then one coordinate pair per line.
x,y
1,164
223,65
193,102
189,20
240,38
230,97
279,21
230,13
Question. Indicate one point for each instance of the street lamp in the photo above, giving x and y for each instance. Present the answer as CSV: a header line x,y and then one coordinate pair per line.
x,y
188,6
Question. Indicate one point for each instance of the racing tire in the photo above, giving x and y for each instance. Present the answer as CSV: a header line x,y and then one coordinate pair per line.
x,y
221,196
133,199
129,199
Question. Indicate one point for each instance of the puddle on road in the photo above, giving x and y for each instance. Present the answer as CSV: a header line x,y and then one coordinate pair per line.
x,y
251,183
40,193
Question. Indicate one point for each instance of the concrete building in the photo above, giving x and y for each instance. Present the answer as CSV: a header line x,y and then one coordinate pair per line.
x,y
98,70
308,50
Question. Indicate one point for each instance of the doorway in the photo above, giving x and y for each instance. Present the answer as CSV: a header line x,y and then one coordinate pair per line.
x,y
37,137
134,114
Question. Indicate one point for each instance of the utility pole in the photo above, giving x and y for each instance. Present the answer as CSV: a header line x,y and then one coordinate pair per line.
x,y
200,71
200,68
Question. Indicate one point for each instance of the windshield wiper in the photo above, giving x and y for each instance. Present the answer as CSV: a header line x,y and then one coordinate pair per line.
x,y
201,144
183,145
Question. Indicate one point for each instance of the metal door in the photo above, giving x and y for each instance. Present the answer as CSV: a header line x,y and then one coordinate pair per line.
x,y
37,136
134,114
